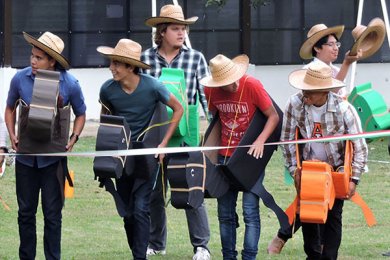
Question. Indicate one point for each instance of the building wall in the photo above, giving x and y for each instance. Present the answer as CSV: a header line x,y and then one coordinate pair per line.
x,y
274,79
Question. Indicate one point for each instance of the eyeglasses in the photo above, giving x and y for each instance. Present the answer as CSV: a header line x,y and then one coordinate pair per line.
x,y
332,44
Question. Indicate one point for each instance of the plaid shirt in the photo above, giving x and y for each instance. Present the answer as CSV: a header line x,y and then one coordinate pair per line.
x,y
191,61
338,119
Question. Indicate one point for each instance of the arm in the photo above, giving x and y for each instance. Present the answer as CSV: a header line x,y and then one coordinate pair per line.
x,y
348,60
78,126
272,121
10,120
175,105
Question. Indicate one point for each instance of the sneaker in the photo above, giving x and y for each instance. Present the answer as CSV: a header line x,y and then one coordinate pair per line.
x,y
201,254
276,246
151,251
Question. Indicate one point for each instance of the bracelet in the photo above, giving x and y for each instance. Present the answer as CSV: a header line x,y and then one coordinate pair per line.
x,y
76,135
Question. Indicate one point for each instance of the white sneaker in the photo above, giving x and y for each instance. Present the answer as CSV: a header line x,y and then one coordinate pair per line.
x,y
151,251
201,254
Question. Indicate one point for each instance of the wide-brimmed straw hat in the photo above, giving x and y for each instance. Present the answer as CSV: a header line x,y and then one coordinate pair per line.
x,y
170,14
315,34
50,44
126,51
368,38
225,71
317,77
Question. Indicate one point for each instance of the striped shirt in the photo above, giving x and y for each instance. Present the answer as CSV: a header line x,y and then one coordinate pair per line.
x,y
191,61
339,119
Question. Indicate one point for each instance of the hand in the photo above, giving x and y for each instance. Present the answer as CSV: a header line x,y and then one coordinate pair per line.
x,y
257,149
352,190
160,156
349,59
297,180
14,143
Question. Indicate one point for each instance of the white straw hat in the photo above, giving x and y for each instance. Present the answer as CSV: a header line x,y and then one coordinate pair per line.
x,y
225,71
51,44
126,51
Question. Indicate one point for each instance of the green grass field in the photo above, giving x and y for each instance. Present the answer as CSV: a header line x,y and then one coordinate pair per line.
x,y
93,230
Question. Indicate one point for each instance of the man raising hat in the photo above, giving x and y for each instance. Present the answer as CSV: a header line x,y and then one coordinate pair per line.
x,y
318,112
35,174
170,52
322,45
235,96
134,96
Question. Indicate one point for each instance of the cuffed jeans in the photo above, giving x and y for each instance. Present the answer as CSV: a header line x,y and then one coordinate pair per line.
x,y
197,220
29,182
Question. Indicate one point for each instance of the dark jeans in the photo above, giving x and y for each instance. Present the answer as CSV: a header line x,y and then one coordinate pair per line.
x,y
197,219
29,182
327,235
135,193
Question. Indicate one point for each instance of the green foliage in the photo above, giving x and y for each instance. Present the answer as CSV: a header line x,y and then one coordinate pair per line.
x,y
222,3
92,228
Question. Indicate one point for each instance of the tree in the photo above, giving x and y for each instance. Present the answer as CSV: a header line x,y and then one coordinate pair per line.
x,y
222,3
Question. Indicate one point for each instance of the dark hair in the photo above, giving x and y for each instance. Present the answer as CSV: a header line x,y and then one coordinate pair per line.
x,y
135,68
321,42
160,28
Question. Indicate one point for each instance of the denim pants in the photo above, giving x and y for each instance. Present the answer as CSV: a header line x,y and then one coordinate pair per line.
x,y
30,181
136,193
228,223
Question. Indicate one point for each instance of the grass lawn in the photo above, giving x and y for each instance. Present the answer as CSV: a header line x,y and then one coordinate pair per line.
x,y
93,230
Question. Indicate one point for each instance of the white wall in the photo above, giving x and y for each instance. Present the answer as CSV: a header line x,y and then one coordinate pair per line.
x,y
274,79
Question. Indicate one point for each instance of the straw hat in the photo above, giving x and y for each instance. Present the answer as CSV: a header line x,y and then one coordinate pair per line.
x,y
126,51
225,71
315,34
170,14
51,44
318,77
368,38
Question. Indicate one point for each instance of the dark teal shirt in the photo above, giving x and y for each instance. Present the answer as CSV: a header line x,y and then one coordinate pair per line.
x,y
138,107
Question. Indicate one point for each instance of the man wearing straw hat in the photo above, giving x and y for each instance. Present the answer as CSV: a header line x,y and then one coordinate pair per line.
x,y
318,112
135,95
170,52
322,45
235,97
35,174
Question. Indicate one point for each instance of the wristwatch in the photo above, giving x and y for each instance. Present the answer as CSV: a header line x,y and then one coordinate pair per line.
x,y
355,180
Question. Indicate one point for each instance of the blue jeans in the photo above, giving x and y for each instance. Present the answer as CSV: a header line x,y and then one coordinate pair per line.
x,y
228,222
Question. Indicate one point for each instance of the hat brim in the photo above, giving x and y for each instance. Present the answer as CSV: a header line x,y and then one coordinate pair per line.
x,y
52,53
154,21
108,53
296,79
241,63
306,49
371,40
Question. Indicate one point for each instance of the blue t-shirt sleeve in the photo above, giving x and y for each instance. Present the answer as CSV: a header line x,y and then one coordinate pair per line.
x,y
77,99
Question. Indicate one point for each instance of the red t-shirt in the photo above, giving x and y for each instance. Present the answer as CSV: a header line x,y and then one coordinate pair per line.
x,y
236,114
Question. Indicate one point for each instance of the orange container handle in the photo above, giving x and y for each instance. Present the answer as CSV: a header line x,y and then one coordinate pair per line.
x,y
69,190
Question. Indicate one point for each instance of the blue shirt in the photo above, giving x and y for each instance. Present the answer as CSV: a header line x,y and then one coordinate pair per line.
x,y
138,107
21,87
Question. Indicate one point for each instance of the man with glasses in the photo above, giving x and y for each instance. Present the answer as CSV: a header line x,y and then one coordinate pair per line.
x,y
322,45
